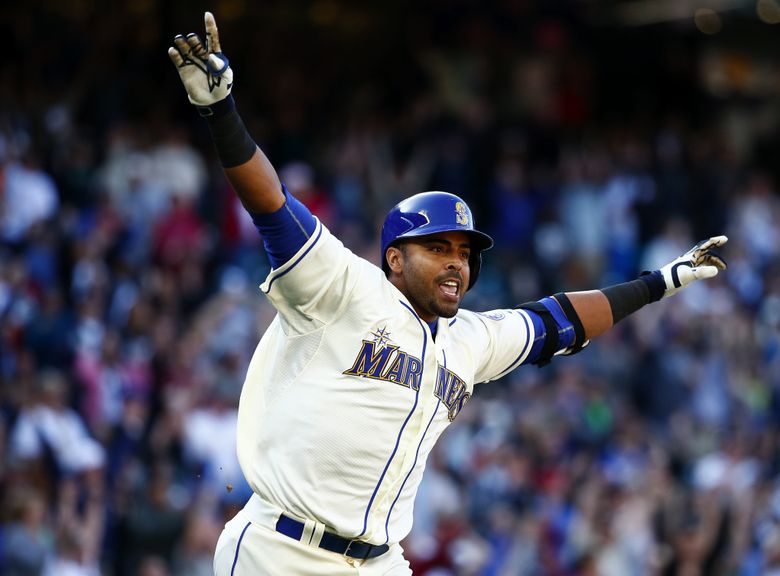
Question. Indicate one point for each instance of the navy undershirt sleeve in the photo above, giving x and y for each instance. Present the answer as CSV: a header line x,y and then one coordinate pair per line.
x,y
285,231
540,333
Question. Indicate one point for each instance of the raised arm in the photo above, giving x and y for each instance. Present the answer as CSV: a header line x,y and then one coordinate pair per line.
x,y
570,319
206,74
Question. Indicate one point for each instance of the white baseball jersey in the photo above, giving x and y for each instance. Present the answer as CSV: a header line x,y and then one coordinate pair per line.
x,y
347,392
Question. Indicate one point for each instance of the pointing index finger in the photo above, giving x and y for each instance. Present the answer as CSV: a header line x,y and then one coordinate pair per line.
x,y
212,34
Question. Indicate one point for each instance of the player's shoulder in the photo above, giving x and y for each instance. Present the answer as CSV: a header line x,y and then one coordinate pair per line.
x,y
323,260
498,315
326,247
489,320
373,283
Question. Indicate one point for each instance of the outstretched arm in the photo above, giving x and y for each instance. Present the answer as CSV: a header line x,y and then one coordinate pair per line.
x,y
571,319
206,74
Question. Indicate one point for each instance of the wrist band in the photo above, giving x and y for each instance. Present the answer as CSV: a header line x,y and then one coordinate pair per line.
x,y
655,283
233,143
628,297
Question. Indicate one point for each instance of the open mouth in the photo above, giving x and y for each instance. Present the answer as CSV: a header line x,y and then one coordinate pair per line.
x,y
450,289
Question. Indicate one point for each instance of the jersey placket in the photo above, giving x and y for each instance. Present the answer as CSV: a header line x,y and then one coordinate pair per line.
x,y
421,427
417,338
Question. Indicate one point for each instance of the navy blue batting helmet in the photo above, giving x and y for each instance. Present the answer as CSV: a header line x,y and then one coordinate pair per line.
x,y
430,213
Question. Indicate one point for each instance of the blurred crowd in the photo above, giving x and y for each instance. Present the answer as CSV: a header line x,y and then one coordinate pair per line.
x,y
129,305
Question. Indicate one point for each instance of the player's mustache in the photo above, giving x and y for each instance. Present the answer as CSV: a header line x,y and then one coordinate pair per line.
x,y
451,276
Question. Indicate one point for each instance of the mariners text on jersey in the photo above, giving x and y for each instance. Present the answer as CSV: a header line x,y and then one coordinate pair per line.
x,y
382,361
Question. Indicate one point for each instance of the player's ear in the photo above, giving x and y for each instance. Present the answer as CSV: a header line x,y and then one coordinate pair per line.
x,y
395,257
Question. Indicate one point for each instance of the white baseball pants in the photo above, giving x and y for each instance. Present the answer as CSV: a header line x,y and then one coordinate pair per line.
x,y
250,546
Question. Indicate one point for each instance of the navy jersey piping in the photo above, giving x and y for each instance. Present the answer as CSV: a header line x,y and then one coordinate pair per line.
x,y
403,426
294,264
525,347
414,464
238,547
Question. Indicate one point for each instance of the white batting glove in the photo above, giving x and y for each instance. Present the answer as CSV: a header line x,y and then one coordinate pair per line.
x,y
697,263
204,70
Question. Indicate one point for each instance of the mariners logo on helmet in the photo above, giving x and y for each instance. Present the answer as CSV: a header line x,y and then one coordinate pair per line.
x,y
430,213
461,216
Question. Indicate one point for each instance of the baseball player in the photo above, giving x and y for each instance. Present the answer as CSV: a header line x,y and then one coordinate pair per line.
x,y
364,367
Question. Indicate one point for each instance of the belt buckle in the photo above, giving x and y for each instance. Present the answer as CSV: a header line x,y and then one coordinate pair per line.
x,y
351,542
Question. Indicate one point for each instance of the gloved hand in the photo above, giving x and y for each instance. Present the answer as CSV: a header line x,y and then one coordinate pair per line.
x,y
697,263
204,70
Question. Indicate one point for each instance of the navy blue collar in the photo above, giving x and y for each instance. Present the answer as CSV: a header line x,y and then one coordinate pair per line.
x,y
433,326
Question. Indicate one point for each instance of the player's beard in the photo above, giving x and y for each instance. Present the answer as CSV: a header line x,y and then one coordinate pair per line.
x,y
424,296
448,311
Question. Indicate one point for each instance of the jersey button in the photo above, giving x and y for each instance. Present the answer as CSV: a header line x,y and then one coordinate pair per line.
x,y
351,562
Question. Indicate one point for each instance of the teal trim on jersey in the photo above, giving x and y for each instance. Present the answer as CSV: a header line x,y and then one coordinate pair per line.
x,y
294,264
403,426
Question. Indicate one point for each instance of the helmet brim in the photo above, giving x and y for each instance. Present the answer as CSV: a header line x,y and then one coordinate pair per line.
x,y
479,240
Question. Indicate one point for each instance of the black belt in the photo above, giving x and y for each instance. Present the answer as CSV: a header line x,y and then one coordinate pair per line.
x,y
332,542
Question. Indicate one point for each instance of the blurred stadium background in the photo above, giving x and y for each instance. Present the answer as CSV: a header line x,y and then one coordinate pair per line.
x,y
593,139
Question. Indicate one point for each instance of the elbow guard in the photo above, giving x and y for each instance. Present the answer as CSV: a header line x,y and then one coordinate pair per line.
x,y
564,333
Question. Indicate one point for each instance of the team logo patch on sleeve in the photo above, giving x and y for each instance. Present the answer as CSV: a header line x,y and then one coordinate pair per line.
x,y
494,315
379,359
